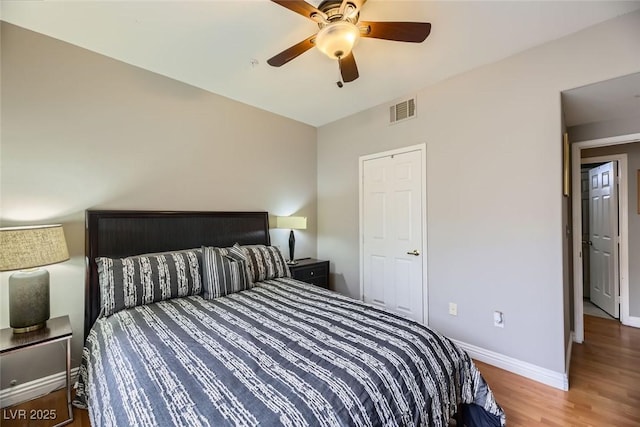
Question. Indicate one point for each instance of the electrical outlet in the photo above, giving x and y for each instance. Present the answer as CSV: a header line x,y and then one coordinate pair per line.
x,y
453,309
498,319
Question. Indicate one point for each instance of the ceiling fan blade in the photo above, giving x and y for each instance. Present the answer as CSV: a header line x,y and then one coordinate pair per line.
x,y
348,68
414,32
292,53
303,8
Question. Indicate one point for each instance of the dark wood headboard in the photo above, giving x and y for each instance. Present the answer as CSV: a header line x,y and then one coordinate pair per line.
x,y
117,234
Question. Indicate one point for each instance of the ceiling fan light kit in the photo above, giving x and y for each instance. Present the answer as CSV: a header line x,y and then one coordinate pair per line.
x,y
339,31
337,39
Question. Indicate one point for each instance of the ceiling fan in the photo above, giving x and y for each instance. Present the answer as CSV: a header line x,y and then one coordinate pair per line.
x,y
340,30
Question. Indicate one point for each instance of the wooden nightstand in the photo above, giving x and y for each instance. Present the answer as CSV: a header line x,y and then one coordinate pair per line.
x,y
312,271
57,329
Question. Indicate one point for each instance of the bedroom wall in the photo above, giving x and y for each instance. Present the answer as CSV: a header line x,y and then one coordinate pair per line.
x,y
633,157
81,131
604,129
494,190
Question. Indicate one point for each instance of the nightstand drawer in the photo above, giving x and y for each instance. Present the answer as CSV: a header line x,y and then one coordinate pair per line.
x,y
308,273
311,271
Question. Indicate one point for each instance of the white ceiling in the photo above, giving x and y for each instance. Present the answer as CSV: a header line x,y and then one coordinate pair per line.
x,y
213,44
612,99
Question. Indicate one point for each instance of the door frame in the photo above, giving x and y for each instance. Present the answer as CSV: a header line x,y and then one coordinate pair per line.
x,y
422,148
623,208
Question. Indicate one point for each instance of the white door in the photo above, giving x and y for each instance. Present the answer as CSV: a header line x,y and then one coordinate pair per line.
x,y
603,238
392,221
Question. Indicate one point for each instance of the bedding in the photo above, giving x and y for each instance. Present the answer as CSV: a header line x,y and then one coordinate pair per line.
x,y
265,262
281,353
224,271
145,279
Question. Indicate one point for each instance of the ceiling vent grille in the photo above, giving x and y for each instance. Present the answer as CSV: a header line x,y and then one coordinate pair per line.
x,y
402,111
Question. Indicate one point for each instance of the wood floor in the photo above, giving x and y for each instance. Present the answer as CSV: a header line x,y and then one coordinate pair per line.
x,y
604,387
604,383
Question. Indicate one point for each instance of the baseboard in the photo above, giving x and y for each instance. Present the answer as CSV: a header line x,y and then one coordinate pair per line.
x,y
36,388
546,376
567,355
633,321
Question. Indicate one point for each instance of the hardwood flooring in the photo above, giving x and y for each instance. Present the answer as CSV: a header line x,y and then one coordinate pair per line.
x,y
604,383
604,387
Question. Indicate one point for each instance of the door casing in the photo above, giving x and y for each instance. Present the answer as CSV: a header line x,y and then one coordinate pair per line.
x,y
423,201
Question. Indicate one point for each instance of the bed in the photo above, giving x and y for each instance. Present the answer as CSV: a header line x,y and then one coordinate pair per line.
x,y
223,335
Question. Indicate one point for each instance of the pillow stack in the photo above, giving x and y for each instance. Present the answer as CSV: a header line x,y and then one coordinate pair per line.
x,y
224,271
214,272
234,269
145,279
265,263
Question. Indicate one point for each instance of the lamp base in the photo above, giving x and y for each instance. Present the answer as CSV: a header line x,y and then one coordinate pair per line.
x,y
292,248
29,328
292,262
28,300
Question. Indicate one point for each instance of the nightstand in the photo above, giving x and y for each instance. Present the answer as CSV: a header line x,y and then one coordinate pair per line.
x,y
312,271
57,329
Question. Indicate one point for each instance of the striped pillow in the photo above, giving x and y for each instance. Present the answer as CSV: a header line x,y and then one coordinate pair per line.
x,y
224,271
265,263
145,279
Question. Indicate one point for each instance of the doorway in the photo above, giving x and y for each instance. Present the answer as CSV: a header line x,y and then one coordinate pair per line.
x,y
393,249
578,292
600,243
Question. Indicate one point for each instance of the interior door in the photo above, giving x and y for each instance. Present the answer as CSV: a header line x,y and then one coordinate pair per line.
x,y
603,237
392,233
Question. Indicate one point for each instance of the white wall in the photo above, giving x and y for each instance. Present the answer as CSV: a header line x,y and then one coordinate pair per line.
x,y
494,189
622,126
82,131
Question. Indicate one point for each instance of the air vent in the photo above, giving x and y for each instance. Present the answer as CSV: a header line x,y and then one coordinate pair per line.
x,y
402,111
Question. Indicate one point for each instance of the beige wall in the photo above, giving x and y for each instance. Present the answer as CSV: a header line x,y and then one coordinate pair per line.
x,y
604,129
82,131
494,189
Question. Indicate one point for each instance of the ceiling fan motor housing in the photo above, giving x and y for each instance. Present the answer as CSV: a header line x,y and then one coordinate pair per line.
x,y
331,8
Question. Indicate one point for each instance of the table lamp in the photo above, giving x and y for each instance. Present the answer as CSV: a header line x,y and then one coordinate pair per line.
x,y
293,223
27,249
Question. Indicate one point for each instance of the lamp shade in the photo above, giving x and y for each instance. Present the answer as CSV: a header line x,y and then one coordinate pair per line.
x,y
292,222
28,247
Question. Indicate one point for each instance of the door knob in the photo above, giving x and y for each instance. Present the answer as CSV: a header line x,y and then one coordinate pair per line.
x,y
415,252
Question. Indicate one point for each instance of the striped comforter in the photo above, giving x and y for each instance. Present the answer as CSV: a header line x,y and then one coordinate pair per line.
x,y
282,353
